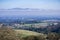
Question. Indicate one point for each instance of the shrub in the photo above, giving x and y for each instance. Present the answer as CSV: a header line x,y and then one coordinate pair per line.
x,y
7,34
53,36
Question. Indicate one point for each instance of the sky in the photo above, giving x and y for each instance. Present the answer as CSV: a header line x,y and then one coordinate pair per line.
x,y
41,4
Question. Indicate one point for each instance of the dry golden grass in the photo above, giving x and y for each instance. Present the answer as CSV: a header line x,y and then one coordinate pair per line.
x,y
24,33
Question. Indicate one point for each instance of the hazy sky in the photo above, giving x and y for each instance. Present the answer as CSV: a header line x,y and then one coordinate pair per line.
x,y
42,4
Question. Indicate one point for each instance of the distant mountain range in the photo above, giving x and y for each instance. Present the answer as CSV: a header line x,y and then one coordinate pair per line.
x,y
31,9
21,9
29,12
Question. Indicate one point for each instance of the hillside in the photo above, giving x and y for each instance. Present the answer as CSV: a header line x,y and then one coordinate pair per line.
x,y
25,33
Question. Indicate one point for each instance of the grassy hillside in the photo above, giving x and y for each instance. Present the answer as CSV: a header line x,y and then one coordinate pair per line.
x,y
11,34
25,33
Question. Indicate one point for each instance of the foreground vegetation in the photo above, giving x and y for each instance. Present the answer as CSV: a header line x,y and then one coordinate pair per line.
x,y
27,34
11,34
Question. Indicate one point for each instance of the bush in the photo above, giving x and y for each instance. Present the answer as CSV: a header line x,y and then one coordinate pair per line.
x,y
7,34
53,36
